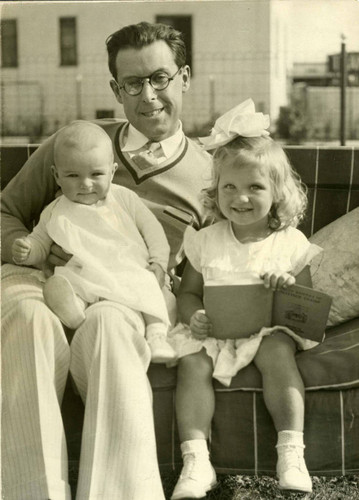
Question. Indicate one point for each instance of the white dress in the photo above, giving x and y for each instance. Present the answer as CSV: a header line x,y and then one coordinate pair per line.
x,y
112,243
216,253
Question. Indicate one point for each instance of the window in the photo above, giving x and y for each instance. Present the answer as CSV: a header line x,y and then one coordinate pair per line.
x,y
9,43
183,24
68,42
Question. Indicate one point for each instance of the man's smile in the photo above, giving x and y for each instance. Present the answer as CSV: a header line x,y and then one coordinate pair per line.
x,y
152,113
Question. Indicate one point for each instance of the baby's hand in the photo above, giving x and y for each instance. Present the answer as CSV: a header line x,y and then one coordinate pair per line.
x,y
157,270
200,325
277,280
21,248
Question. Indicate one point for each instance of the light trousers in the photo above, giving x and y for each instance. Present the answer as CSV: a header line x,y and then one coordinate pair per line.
x,y
108,359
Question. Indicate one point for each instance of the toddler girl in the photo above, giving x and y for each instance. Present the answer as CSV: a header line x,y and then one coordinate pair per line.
x,y
257,200
119,249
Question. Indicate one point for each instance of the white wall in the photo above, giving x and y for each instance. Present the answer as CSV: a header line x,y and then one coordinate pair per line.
x,y
280,59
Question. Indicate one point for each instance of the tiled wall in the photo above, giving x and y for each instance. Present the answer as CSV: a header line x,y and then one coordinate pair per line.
x,y
332,178
331,174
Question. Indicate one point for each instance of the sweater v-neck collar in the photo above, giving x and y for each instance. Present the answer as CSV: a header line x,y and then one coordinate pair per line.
x,y
136,173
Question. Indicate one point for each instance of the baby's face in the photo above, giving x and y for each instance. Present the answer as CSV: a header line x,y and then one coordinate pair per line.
x,y
85,177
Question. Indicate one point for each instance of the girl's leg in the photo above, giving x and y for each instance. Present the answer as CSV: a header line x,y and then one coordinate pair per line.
x,y
283,388
283,392
194,408
194,396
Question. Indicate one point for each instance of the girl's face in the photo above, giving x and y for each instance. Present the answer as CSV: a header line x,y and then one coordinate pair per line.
x,y
245,196
84,178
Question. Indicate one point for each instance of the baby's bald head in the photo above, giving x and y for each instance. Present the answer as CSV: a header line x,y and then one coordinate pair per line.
x,y
81,137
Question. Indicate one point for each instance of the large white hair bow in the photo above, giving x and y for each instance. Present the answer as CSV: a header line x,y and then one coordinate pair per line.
x,y
241,120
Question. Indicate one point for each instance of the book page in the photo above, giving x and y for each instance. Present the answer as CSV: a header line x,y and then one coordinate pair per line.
x,y
303,310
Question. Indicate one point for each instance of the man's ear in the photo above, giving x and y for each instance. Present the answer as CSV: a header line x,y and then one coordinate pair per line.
x,y
186,78
116,90
55,174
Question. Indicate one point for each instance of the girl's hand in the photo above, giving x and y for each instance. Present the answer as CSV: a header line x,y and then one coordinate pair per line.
x,y
277,280
157,270
200,325
21,248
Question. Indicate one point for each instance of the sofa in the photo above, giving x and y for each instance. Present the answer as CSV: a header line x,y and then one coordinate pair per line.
x,y
243,437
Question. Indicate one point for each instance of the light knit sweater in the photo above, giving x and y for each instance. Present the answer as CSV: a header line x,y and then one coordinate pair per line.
x,y
171,190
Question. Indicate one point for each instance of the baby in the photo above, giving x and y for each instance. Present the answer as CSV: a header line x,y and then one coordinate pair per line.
x,y
119,250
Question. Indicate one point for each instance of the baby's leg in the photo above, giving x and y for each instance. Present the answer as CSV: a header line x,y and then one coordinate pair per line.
x,y
195,408
283,392
156,335
63,301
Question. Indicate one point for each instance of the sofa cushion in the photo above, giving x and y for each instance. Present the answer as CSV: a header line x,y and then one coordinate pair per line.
x,y
332,364
336,270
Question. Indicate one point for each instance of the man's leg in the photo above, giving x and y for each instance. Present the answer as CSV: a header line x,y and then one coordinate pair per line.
x,y
35,362
109,361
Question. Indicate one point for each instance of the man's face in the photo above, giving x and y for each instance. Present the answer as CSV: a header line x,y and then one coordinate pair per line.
x,y
155,113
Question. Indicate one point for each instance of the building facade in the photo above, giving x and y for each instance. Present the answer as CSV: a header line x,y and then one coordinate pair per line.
x,y
54,61
318,87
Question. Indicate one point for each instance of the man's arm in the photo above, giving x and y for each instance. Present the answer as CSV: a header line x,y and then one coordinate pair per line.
x,y
152,232
25,196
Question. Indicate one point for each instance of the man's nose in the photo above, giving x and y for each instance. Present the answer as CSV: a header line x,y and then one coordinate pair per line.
x,y
148,92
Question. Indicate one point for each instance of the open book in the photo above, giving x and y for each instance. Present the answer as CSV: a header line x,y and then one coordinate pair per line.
x,y
238,311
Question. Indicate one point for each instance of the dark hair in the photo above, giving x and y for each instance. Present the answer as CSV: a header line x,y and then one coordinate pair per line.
x,y
142,34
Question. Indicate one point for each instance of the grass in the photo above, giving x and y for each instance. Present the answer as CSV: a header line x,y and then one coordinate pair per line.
x,y
261,487
265,488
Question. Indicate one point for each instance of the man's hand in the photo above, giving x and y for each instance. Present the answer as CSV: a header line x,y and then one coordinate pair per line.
x,y
157,270
21,248
277,280
200,325
57,256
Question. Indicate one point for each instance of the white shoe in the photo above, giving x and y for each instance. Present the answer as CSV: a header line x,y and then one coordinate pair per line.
x,y
161,351
196,479
291,469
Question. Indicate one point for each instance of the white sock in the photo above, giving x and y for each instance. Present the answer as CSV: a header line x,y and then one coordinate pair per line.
x,y
197,446
290,438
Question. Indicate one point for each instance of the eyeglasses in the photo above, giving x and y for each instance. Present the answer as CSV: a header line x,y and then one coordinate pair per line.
x,y
158,81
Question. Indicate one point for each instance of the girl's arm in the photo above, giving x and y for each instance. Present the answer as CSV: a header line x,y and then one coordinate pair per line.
x,y
304,277
190,303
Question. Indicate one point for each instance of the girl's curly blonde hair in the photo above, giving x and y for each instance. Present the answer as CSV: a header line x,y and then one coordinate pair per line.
x,y
289,193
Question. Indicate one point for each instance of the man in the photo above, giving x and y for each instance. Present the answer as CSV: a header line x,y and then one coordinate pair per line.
x,y
108,356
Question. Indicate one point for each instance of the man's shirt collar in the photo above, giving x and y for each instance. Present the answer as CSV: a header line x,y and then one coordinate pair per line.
x,y
136,140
